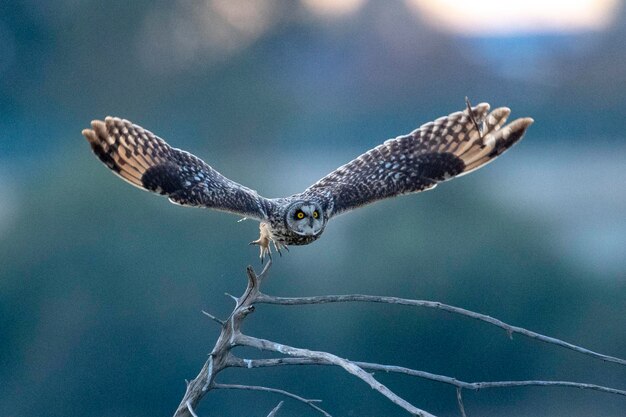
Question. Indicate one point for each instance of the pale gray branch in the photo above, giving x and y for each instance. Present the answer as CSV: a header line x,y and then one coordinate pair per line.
x,y
349,366
509,384
275,410
190,408
459,400
308,402
212,317
324,299
474,386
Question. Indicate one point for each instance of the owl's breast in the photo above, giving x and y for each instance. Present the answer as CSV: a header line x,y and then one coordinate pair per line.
x,y
281,234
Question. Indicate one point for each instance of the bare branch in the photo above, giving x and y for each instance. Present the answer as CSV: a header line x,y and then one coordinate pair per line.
x,y
229,295
264,272
267,299
217,361
190,408
349,366
473,119
234,361
308,402
474,386
459,400
212,317
275,410
508,384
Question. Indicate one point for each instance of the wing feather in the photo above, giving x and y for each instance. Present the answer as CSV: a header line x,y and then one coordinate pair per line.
x,y
148,162
448,147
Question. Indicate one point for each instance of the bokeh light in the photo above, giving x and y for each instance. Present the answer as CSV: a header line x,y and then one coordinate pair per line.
x,y
333,7
489,17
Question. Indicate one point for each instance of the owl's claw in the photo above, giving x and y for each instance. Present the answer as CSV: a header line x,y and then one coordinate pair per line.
x,y
265,251
278,246
264,246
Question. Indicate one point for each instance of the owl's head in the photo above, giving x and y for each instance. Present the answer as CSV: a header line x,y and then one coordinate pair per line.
x,y
305,218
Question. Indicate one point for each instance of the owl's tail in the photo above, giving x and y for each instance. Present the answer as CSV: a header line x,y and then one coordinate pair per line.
x,y
485,137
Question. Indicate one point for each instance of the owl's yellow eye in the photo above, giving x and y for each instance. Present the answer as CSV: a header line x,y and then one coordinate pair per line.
x,y
315,214
300,215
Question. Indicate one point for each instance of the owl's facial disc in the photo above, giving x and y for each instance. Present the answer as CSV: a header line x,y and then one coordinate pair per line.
x,y
305,218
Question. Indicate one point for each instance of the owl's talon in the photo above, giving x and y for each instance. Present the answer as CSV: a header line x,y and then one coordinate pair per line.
x,y
265,252
277,246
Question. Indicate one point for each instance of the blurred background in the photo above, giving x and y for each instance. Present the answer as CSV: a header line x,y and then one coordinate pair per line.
x,y
102,286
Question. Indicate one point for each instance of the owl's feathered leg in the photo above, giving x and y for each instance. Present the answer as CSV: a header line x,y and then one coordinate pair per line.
x,y
264,242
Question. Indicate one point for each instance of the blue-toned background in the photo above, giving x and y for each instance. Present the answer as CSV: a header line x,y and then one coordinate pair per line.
x,y
102,286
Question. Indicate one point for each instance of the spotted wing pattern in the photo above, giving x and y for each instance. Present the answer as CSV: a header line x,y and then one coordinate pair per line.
x,y
450,146
148,162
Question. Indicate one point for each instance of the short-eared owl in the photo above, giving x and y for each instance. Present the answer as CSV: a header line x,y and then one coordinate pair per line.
x,y
449,147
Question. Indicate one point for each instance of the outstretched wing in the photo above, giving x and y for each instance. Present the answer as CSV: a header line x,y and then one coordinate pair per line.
x,y
148,162
450,146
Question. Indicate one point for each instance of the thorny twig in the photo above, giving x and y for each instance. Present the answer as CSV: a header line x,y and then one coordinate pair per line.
x,y
231,336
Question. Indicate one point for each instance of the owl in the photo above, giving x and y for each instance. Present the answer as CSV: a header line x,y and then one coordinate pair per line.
x,y
448,147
